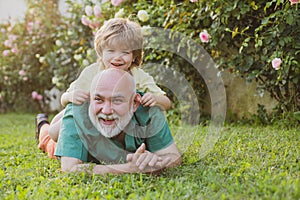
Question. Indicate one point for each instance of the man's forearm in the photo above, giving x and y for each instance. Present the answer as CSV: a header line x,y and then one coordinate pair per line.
x,y
125,168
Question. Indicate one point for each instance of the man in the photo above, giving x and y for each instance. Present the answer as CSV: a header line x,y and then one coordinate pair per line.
x,y
114,131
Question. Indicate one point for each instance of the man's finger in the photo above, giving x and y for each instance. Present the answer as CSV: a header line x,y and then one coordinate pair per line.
x,y
141,149
129,157
153,160
143,161
163,163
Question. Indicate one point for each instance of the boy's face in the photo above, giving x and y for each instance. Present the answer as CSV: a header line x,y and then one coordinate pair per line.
x,y
117,58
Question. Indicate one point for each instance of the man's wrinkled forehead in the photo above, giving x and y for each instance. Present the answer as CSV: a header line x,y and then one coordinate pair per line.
x,y
113,88
113,81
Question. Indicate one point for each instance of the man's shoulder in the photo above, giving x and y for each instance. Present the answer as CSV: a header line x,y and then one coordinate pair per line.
x,y
144,114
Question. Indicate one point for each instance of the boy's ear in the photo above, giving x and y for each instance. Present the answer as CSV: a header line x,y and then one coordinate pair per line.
x,y
136,101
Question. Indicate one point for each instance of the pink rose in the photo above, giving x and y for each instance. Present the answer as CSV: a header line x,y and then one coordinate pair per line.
x,y
21,72
25,78
294,2
8,43
29,27
88,10
116,2
5,52
276,63
5,78
204,36
34,94
37,23
39,97
14,50
95,24
85,21
193,1
97,11
12,37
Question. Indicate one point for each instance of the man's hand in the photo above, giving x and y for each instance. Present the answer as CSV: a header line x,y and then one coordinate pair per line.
x,y
143,158
142,161
148,99
78,96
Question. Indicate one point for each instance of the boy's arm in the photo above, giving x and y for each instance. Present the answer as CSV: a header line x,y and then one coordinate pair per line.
x,y
162,101
65,98
79,89
155,95
76,96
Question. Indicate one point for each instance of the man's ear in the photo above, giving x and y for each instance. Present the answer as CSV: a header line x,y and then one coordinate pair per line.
x,y
136,101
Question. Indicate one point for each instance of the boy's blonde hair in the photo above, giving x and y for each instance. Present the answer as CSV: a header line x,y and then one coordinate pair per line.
x,y
124,33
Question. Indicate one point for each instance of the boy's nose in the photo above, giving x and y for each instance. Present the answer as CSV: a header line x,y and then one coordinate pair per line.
x,y
118,56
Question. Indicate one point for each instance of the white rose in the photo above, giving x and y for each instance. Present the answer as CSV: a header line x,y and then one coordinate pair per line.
x,y
85,62
42,59
70,33
58,43
55,80
77,57
143,15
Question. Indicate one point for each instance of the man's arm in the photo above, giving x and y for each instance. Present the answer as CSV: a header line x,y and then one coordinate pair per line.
x,y
141,161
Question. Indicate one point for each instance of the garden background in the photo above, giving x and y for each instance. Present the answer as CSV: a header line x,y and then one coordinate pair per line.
x,y
253,43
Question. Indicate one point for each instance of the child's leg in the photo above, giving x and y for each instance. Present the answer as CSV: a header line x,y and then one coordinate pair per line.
x,y
45,142
54,127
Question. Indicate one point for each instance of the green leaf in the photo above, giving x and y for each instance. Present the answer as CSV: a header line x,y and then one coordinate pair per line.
x,y
297,115
265,21
290,19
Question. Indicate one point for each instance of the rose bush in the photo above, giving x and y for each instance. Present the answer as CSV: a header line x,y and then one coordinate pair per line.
x,y
41,52
244,37
258,40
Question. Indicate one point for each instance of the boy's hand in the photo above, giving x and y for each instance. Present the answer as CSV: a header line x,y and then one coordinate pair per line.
x,y
79,96
148,99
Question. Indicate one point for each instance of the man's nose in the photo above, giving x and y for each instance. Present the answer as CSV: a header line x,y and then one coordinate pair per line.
x,y
107,108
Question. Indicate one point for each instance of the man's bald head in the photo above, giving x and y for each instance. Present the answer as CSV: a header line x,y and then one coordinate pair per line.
x,y
115,79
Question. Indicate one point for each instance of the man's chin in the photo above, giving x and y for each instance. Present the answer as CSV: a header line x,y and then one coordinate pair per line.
x,y
109,131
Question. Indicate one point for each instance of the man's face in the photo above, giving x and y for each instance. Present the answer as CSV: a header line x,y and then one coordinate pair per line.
x,y
111,106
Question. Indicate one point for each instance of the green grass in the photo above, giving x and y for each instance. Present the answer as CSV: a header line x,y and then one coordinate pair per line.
x,y
247,162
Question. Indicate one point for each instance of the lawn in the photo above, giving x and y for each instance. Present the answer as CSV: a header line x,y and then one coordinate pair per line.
x,y
247,162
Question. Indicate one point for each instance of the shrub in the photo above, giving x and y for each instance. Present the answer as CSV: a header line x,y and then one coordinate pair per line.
x,y
243,37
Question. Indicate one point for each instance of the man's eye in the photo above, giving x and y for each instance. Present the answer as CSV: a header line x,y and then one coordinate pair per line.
x,y
116,101
98,99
